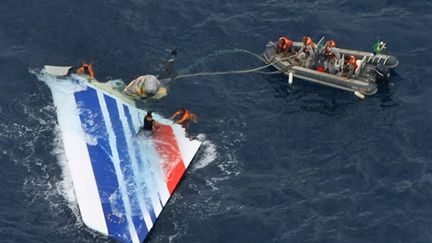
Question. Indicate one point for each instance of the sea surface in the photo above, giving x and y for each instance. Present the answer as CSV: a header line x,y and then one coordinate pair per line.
x,y
280,162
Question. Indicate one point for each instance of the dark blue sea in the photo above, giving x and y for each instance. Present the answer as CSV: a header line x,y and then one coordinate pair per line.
x,y
280,162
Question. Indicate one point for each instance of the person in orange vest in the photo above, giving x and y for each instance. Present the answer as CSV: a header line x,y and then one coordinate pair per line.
x,y
330,55
351,66
185,117
86,69
306,54
308,42
284,45
308,45
330,44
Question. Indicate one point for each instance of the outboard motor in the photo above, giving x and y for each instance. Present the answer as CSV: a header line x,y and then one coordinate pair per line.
x,y
382,73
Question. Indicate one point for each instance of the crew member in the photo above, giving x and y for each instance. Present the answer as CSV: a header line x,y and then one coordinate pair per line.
x,y
86,69
149,122
308,45
185,117
330,57
351,66
307,54
284,45
328,49
379,47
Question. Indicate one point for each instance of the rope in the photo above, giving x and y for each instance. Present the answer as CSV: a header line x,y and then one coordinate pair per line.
x,y
252,70
221,52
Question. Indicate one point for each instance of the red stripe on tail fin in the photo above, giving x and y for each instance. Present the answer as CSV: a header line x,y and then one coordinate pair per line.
x,y
166,145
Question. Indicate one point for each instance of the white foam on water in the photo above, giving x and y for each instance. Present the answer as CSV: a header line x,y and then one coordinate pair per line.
x,y
223,156
44,187
63,84
231,166
65,186
209,155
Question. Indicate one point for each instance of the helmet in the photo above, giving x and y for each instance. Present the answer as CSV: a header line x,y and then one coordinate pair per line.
x,y
282,38
307,40
330,44
282,41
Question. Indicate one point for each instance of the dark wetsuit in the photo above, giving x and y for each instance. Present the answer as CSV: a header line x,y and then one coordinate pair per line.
x,y
148,124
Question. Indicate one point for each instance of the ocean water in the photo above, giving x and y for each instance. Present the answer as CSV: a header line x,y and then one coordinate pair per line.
x,y
280,163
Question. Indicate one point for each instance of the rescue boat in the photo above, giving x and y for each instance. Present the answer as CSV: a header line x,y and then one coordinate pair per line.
x,y
371,68
122,178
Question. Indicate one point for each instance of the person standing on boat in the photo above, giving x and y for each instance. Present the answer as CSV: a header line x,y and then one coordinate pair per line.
x,y
284,46
379,47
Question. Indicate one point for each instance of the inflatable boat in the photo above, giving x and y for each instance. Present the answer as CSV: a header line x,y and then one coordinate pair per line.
x,y
122,178
371,68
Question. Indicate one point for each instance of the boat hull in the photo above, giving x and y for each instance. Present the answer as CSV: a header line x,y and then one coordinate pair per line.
x,y
348,84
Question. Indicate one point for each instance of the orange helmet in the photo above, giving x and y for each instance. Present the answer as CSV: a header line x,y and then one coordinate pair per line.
x,y
352,60
330,44
307,40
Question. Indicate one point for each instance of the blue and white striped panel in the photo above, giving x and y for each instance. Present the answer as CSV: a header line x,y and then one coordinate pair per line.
x,y
119,180
127,192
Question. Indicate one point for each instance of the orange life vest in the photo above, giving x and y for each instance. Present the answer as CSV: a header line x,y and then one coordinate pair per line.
x,y
185,116
307,41
87,69
284,43
328,49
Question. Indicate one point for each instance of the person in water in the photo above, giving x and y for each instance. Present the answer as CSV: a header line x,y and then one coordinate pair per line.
x,y
86,69
149,123
186,117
